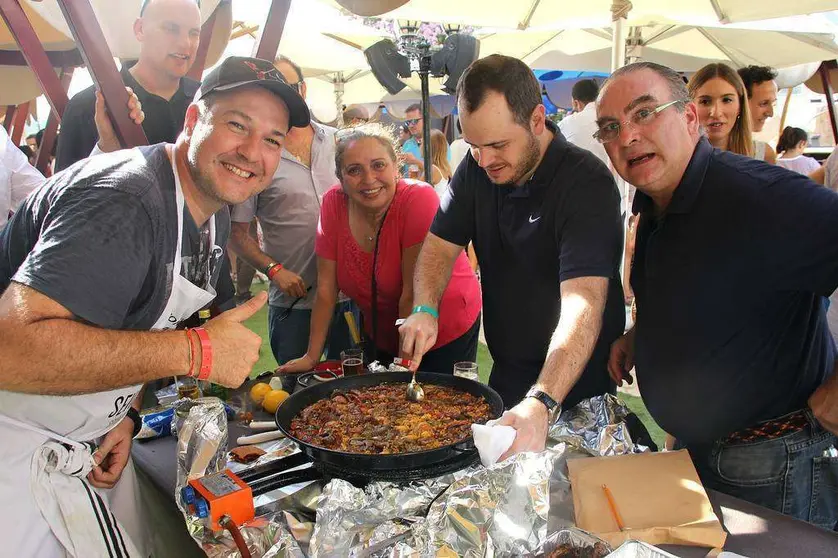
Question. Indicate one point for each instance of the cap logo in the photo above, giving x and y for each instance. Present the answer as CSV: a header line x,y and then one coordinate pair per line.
x,y
272,74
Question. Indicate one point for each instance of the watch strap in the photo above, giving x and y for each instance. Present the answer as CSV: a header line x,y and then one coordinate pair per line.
x,y
553,406
135,417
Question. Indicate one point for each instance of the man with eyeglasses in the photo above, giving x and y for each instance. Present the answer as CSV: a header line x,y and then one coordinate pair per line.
x,y
544,217
288,212
168,32
731,345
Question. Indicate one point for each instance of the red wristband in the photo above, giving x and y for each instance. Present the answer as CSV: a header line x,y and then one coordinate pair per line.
x,y
206,353
273,270
191,354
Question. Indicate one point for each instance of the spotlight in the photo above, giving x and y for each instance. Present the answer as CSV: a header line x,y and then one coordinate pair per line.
x,y
388,64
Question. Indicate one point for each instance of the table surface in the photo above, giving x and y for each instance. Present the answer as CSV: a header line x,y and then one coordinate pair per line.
x,y
754,531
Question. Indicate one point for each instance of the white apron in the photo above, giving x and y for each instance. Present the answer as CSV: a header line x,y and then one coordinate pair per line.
x,y
45,510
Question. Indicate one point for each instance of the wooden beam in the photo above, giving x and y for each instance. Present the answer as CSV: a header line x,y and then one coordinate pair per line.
x,y
9,117
244,30
830,99
34,53
51,130
21,113
197,69
268,44
99,61
785,109
57,59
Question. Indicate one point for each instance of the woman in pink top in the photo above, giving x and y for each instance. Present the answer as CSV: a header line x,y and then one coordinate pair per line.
x,y
374,218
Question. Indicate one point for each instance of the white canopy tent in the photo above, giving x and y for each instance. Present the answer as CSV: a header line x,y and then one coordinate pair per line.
x,y
592,13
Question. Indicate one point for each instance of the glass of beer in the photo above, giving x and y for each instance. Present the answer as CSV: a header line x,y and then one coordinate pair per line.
x,y
352,362
466,369
188,388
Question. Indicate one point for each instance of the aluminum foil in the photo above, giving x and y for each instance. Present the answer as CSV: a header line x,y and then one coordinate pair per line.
x,y
638,549
514,508
201,428
597,425
575,538
354,521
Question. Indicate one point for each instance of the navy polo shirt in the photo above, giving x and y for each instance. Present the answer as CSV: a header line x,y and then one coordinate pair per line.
x,y
731,328
562,224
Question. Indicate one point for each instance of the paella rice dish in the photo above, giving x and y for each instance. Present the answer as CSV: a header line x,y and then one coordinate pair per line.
x,y
380,420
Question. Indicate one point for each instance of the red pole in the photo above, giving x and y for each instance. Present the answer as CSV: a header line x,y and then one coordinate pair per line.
x,y
21,114
197,69
99,61
9,117
34,53
268,44
830,100
51,131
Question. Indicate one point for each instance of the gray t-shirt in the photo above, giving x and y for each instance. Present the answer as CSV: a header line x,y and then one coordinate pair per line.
x,y
99,239
289,209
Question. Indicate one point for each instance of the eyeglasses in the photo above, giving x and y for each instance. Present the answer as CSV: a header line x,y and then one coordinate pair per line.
x,y
413,121
296,86
641,117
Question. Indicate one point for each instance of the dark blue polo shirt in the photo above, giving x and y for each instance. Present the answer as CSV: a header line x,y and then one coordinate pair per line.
x,y
731,329
562,224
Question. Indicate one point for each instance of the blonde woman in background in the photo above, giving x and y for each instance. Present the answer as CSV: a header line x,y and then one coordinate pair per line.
x,y
719,94
441,171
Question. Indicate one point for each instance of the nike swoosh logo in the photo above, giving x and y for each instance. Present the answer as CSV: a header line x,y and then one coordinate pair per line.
x,y
534,220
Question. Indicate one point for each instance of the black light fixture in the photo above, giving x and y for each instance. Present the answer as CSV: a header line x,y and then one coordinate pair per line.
x,y
390,62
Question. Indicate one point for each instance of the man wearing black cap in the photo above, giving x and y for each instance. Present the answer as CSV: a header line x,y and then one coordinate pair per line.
x,y
168,32
92,262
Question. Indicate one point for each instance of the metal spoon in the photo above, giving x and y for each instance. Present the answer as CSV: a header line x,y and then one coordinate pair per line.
x,y
415,392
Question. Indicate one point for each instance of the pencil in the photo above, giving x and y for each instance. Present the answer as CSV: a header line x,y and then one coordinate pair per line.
x,y
613,506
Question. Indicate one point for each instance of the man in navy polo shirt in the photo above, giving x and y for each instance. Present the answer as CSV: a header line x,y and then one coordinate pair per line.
x,y
733,258
544,217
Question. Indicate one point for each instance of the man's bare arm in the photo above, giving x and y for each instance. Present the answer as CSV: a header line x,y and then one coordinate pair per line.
x,y
247,247
44,349
573,341
583,302
433,270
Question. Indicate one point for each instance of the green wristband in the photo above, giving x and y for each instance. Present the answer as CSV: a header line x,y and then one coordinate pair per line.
x,y
426,310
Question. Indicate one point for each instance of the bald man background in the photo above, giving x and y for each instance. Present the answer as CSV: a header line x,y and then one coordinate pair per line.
x,y
168,32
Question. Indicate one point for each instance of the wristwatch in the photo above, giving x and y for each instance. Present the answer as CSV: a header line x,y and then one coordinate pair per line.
x,y
553,407
135,418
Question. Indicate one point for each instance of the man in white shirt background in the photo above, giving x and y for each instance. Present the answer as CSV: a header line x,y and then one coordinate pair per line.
x,y
17,177
578,128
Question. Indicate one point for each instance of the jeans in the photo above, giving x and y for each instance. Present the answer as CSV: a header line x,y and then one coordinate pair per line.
x,y
289,337
794,474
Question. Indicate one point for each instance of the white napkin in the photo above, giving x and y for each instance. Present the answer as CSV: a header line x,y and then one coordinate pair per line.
x,y
492,441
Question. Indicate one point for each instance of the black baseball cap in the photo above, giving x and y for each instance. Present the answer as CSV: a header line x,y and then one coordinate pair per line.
x,y
237,71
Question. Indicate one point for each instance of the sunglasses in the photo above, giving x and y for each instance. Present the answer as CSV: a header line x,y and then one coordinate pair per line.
x,y
287,312
413,121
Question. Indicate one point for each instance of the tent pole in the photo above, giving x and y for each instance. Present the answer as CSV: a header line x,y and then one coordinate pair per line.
x,y
339,84
785,109
830,102
619,12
